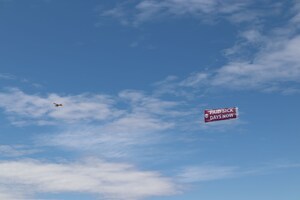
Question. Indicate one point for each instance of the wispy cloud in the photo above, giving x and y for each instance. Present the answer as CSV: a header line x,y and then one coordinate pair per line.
x,y
203,173
138,121
274,70
148,10
115,139
24,179
87,107
296,13
141,103
16,150
272,67
113,124
206,173
257,52
136,13
93,176
143,123
276,66
12,195
26,108
7,76
119,12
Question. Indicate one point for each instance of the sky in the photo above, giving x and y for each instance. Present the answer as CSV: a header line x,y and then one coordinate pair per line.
x,y
134,78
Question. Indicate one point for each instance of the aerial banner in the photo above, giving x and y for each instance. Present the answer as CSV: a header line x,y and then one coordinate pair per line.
x,y
220,114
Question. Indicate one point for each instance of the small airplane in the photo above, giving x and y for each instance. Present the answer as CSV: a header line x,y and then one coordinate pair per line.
x,y
57,104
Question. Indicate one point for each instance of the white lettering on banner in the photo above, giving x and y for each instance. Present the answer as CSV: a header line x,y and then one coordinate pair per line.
x,y
219,111
214,112
228,110
213,117
228,115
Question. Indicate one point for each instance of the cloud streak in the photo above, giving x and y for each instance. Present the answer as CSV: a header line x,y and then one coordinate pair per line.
x,y
7,76
16,150
273,50
237,12
113,125
204,173
88,108
35,108
272,67
93,176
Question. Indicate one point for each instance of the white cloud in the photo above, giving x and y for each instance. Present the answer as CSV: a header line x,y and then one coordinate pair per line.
x,y
278,64
206,173
118,136
8,194
296,13
16,150
257,52
194,80
235,11
111,180
117,12
146,104
246,16
136,107
35,108
116,125
272,67
137,123
6,76
249,40
252,35
203,173
148,10
25,179
166,86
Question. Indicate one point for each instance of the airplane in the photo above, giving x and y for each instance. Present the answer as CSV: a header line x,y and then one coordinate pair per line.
x,y
57,104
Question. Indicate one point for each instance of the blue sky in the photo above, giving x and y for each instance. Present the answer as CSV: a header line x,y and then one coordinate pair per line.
x,y
134,78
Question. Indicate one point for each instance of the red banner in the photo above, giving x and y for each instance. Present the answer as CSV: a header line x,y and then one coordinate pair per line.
x,y
220,114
